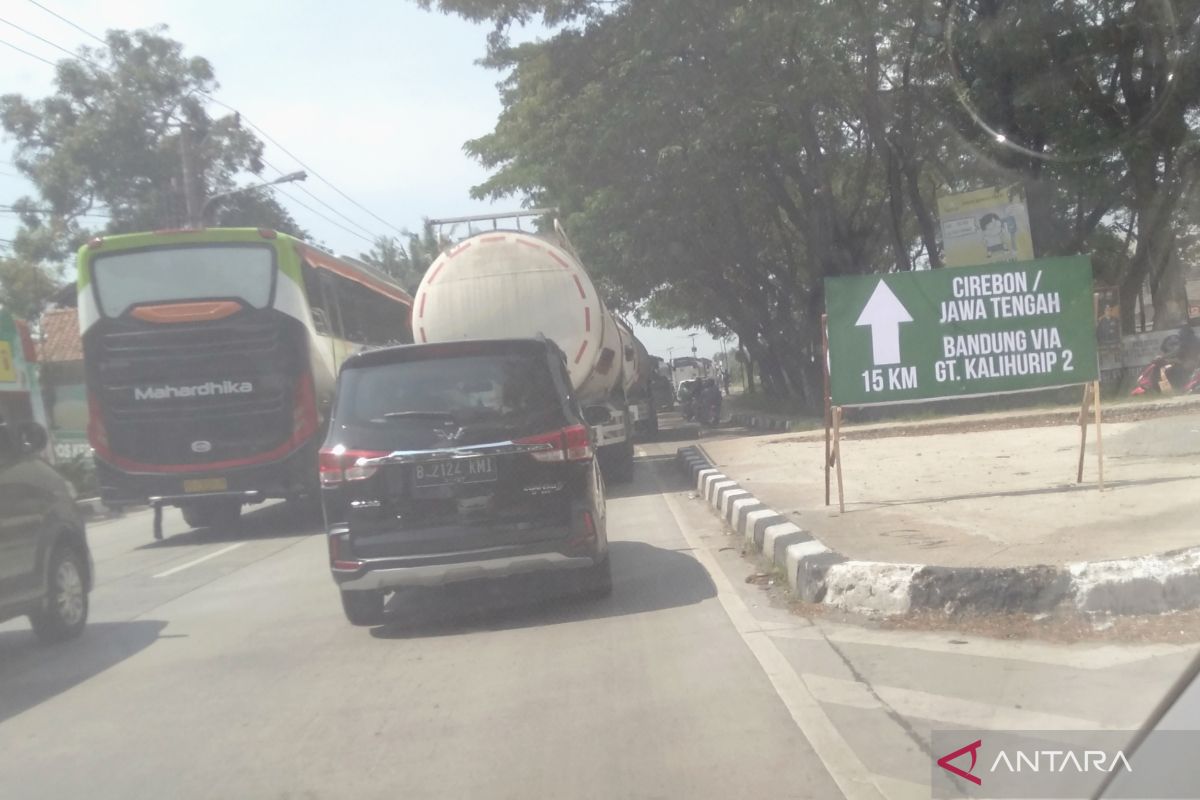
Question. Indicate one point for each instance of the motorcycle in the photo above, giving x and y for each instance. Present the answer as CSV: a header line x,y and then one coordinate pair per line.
x,y
1172,371
1165,376
710,411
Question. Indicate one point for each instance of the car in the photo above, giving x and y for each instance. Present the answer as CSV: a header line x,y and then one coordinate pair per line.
x,y
46,569
459,460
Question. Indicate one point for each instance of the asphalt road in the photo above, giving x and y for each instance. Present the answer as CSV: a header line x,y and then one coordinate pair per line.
x,y
218,665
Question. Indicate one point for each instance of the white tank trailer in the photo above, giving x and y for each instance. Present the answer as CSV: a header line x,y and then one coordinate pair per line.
x,y
511,284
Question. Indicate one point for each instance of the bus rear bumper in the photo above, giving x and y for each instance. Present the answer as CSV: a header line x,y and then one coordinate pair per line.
x,y
293,476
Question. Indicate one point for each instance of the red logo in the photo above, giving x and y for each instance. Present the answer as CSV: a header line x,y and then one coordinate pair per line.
x,y
944,762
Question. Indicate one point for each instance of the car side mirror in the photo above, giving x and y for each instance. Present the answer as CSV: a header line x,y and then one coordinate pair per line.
x,y
30,437
597,415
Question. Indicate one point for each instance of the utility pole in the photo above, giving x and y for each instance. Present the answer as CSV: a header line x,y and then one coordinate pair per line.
x,y
693,335
191,202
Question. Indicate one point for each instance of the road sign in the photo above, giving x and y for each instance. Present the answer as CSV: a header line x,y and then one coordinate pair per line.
x,y
961,332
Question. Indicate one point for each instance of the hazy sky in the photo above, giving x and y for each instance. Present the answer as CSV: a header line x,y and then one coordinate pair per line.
x,y
377,97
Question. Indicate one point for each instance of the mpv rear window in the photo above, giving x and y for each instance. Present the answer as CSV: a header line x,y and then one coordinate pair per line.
x,y
474,398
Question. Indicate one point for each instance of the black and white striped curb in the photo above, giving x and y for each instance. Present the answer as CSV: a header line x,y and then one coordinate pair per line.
x,y
763,422
818,574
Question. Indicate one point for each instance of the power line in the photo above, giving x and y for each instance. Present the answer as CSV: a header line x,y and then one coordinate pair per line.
x,y
296,158
84,31
6,209
335,223
44,40
242,117
31,55
339,213
305,189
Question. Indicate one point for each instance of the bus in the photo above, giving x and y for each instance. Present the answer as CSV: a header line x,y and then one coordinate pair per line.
x,y
210,358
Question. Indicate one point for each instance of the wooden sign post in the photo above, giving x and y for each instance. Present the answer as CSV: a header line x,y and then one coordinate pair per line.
x,y
828,409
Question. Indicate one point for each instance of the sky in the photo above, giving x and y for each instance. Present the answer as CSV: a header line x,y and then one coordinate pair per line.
x,y
376,97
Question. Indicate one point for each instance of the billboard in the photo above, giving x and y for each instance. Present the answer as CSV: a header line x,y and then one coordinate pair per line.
x,y
985,227
942,333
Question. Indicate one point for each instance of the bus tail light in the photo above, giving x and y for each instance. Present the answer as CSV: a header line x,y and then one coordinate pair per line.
x,y
304,410
97,433
267,233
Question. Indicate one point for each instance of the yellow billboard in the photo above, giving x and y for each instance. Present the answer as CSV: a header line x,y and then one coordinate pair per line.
x,y
985,226
8,365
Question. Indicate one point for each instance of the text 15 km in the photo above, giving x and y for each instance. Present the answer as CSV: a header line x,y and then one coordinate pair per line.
x,y
893,379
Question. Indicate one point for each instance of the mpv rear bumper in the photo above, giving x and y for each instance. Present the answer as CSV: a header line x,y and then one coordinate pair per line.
x,y
383,574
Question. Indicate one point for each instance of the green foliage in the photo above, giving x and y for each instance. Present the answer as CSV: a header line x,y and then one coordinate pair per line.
x,y
406,263
80,472
715,162
114,139
26,288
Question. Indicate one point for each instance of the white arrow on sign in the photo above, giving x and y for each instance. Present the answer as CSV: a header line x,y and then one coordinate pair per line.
x,y
884,312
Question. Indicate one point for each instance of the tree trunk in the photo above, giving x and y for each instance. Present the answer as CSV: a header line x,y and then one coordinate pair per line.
x,y
1167,286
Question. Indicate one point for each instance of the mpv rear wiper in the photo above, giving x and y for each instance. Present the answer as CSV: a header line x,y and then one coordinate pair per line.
x,y
418,415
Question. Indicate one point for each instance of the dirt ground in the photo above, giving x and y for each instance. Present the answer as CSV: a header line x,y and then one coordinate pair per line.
x,y
996,497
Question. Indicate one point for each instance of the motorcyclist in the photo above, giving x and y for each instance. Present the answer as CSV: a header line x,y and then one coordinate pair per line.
x,y
710,401
1176,368
686,397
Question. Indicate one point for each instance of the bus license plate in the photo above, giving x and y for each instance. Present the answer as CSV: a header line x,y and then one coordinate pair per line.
x,y
463,470
205,485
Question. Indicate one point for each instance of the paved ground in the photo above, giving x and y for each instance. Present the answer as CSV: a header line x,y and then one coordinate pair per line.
x,y
221,667
986,498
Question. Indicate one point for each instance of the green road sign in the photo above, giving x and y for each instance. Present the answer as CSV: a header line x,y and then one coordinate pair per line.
x,y
960,332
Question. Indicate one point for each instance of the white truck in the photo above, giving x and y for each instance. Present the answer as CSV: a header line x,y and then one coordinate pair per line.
x,y
512,284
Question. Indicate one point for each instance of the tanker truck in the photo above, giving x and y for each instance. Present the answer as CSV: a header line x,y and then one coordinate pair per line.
x,y
513,284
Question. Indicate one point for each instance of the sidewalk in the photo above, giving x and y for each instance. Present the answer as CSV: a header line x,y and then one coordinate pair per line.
x,y
986,498
994,500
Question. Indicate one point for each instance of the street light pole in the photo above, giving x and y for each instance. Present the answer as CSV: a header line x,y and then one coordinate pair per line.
x,y
289,178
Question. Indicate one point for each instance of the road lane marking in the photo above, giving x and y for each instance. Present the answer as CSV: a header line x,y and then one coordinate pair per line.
x,y
199,560
838,757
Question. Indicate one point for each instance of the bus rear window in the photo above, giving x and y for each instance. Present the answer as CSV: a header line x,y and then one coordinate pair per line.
x,y
163,275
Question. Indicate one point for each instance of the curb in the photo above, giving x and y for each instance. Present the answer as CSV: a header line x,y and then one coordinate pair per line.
x,y
763,422
819,574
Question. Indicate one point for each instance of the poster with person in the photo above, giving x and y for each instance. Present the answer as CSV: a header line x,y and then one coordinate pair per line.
x,y
985,226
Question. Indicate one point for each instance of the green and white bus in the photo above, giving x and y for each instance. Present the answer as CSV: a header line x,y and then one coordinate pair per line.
x,y
210,358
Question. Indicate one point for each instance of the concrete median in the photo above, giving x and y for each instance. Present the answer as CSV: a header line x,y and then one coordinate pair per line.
x,y
819,573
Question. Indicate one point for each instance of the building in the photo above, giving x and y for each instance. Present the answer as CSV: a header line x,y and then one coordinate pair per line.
x,y
62,379
20,394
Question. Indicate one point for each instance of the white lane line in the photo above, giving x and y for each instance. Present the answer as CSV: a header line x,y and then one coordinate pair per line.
x,y
1081,657
840,760
944,708
199,560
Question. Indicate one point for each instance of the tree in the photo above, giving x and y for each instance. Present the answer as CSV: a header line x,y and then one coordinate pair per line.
x,y
1096,104
715,162
128,133
25,289
406,263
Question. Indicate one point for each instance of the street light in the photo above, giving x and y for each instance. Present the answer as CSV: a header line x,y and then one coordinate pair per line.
x,y
289,178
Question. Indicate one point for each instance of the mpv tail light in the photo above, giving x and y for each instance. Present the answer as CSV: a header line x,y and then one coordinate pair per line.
x,y
566,444
337,464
